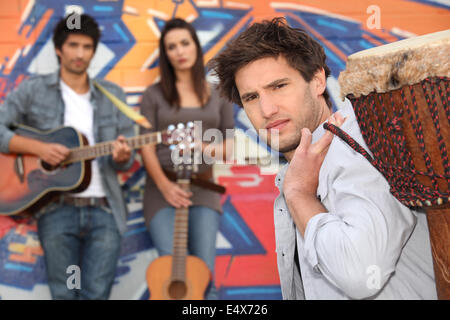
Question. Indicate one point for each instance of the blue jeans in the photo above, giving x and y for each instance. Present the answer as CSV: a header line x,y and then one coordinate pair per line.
x,y
203,228
86,237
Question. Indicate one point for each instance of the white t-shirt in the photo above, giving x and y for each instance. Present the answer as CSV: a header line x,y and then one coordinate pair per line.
x,y
79,114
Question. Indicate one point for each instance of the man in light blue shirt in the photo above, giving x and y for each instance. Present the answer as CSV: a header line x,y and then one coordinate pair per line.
x,y
340,234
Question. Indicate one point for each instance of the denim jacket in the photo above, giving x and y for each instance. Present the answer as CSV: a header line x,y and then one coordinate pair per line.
x,y
37,102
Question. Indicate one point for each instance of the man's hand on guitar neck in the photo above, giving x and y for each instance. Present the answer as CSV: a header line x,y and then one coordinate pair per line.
x,y
121,151
51,153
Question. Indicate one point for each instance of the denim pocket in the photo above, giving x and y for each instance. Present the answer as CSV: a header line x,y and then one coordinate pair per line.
x,y
42,117
107,128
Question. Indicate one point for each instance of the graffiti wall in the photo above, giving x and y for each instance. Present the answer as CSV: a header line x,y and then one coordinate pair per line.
x,y
128,56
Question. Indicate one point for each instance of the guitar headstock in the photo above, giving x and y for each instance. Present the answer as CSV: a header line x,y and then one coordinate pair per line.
x,y
180,138
181,133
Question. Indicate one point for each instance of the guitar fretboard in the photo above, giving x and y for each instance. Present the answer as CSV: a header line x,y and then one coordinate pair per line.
x,y
106,148
180,238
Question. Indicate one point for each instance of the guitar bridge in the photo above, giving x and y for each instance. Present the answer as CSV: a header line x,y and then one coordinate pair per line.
x,y
19,169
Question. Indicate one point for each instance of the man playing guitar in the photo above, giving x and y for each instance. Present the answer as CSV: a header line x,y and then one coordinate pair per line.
x,y
82,229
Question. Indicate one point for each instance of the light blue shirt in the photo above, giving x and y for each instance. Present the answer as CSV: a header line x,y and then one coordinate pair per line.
x,y
367,246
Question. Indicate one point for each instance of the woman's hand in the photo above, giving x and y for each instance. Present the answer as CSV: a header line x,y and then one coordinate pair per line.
x,y
175,195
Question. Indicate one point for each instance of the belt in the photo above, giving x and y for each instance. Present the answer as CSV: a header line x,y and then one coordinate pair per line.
x,y
201,180
85,202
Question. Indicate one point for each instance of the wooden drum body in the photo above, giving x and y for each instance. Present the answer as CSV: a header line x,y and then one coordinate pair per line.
x,y
401,98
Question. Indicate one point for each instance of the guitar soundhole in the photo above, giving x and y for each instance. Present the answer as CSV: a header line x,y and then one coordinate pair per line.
x,y
48,168
177,290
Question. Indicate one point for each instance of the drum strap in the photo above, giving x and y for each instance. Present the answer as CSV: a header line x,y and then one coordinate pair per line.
x,y
402,176
395,176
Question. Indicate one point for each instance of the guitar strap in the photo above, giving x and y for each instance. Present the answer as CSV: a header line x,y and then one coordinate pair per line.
x,y
124,108
199,180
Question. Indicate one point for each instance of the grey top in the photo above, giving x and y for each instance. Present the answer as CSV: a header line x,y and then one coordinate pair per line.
x,y
367,246
216,114
37,103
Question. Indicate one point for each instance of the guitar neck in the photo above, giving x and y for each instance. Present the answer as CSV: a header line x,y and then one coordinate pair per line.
x,y
105,148
180,237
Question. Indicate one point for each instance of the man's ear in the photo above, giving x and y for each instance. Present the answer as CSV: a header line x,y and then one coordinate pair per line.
x,y
319,82
58,53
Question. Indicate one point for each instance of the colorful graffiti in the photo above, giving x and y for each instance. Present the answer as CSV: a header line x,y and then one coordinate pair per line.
x,y
128,56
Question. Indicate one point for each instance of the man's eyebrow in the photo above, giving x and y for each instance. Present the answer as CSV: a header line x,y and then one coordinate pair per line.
x,y
248,94
74,42
273,84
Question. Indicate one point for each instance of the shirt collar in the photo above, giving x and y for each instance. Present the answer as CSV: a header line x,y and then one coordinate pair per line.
x,y
54,78
346,111
280,177
318,133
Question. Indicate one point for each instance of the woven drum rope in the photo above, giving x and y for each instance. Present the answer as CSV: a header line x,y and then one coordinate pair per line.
x,y
402,176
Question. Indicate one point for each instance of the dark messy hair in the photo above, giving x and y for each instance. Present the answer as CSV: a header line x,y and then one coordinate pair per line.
x,y
168,77
75,24
269,39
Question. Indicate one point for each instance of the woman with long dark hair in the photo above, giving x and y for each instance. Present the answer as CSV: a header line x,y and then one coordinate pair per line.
x,y
182,95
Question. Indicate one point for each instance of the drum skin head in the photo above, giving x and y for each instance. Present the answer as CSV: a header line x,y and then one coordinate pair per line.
x,y
392,66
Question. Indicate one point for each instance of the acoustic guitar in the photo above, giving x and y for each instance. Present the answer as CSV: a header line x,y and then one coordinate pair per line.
x,y
26,182
179,276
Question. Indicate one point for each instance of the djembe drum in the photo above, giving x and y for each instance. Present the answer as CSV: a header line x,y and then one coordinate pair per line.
x,y
401,98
